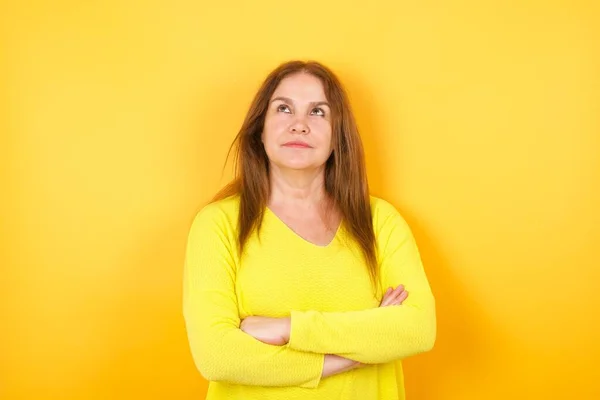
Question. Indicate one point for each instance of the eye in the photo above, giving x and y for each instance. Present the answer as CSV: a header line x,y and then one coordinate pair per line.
x,y
283,108
319,111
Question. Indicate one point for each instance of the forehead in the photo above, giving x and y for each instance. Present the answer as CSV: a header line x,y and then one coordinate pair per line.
x,y
301,86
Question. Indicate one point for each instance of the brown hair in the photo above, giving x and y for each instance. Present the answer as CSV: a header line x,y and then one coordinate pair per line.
x,y
345,173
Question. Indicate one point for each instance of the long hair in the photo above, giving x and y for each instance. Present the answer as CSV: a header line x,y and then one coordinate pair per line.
x,y
345,173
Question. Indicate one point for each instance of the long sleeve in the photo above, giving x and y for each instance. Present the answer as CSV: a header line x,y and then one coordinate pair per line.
x,y
221,351
382,334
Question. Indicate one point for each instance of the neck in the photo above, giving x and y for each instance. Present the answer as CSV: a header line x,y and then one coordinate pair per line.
x,y
299,187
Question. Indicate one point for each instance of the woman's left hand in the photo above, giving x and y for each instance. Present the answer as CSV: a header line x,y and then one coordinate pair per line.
x,y
275,331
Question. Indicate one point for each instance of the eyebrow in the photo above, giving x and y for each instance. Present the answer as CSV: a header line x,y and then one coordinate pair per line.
x,y
312,103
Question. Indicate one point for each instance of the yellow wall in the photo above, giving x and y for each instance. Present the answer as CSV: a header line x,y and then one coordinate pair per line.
x,y
481,123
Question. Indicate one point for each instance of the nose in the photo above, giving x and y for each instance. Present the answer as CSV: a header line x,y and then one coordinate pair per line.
x,y
299,126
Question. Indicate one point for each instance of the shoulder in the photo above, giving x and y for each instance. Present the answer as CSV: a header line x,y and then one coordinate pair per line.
x,y
221,214
382,209
228,206
386,217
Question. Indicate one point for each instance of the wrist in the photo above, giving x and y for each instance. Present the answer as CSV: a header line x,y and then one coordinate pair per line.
x,y
286,325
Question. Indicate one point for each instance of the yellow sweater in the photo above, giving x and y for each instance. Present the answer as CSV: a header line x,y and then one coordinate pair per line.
x,y
328,294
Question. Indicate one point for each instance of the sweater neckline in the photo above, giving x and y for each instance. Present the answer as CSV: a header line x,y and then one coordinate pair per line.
x,y
293,233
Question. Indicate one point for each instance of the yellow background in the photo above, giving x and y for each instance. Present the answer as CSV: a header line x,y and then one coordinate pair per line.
x,y
480,121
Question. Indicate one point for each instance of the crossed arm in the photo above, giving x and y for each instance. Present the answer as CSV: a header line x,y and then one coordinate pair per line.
x,y
276,331
317,344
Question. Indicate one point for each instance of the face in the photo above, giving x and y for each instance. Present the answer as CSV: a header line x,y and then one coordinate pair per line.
x,y
297,130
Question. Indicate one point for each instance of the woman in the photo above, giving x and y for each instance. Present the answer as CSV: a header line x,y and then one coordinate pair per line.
x,y
299,284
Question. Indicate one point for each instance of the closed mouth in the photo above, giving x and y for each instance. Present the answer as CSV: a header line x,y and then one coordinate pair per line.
x,y
297,144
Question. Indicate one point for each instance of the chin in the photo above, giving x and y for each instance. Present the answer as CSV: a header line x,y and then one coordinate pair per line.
x,y
299,165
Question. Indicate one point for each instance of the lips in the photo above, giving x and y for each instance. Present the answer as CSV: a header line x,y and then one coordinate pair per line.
x,y
297,144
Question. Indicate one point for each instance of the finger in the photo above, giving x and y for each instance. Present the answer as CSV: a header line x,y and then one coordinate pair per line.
x,y
389,298
385,297
397,296
400,299
387,292
396,292
399,290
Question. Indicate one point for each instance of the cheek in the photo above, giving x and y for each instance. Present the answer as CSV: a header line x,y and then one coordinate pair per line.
x,y
273,127
326,134
270,135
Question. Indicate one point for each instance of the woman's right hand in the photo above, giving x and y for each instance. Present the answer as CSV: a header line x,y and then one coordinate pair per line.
x,y
336,364
394,297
